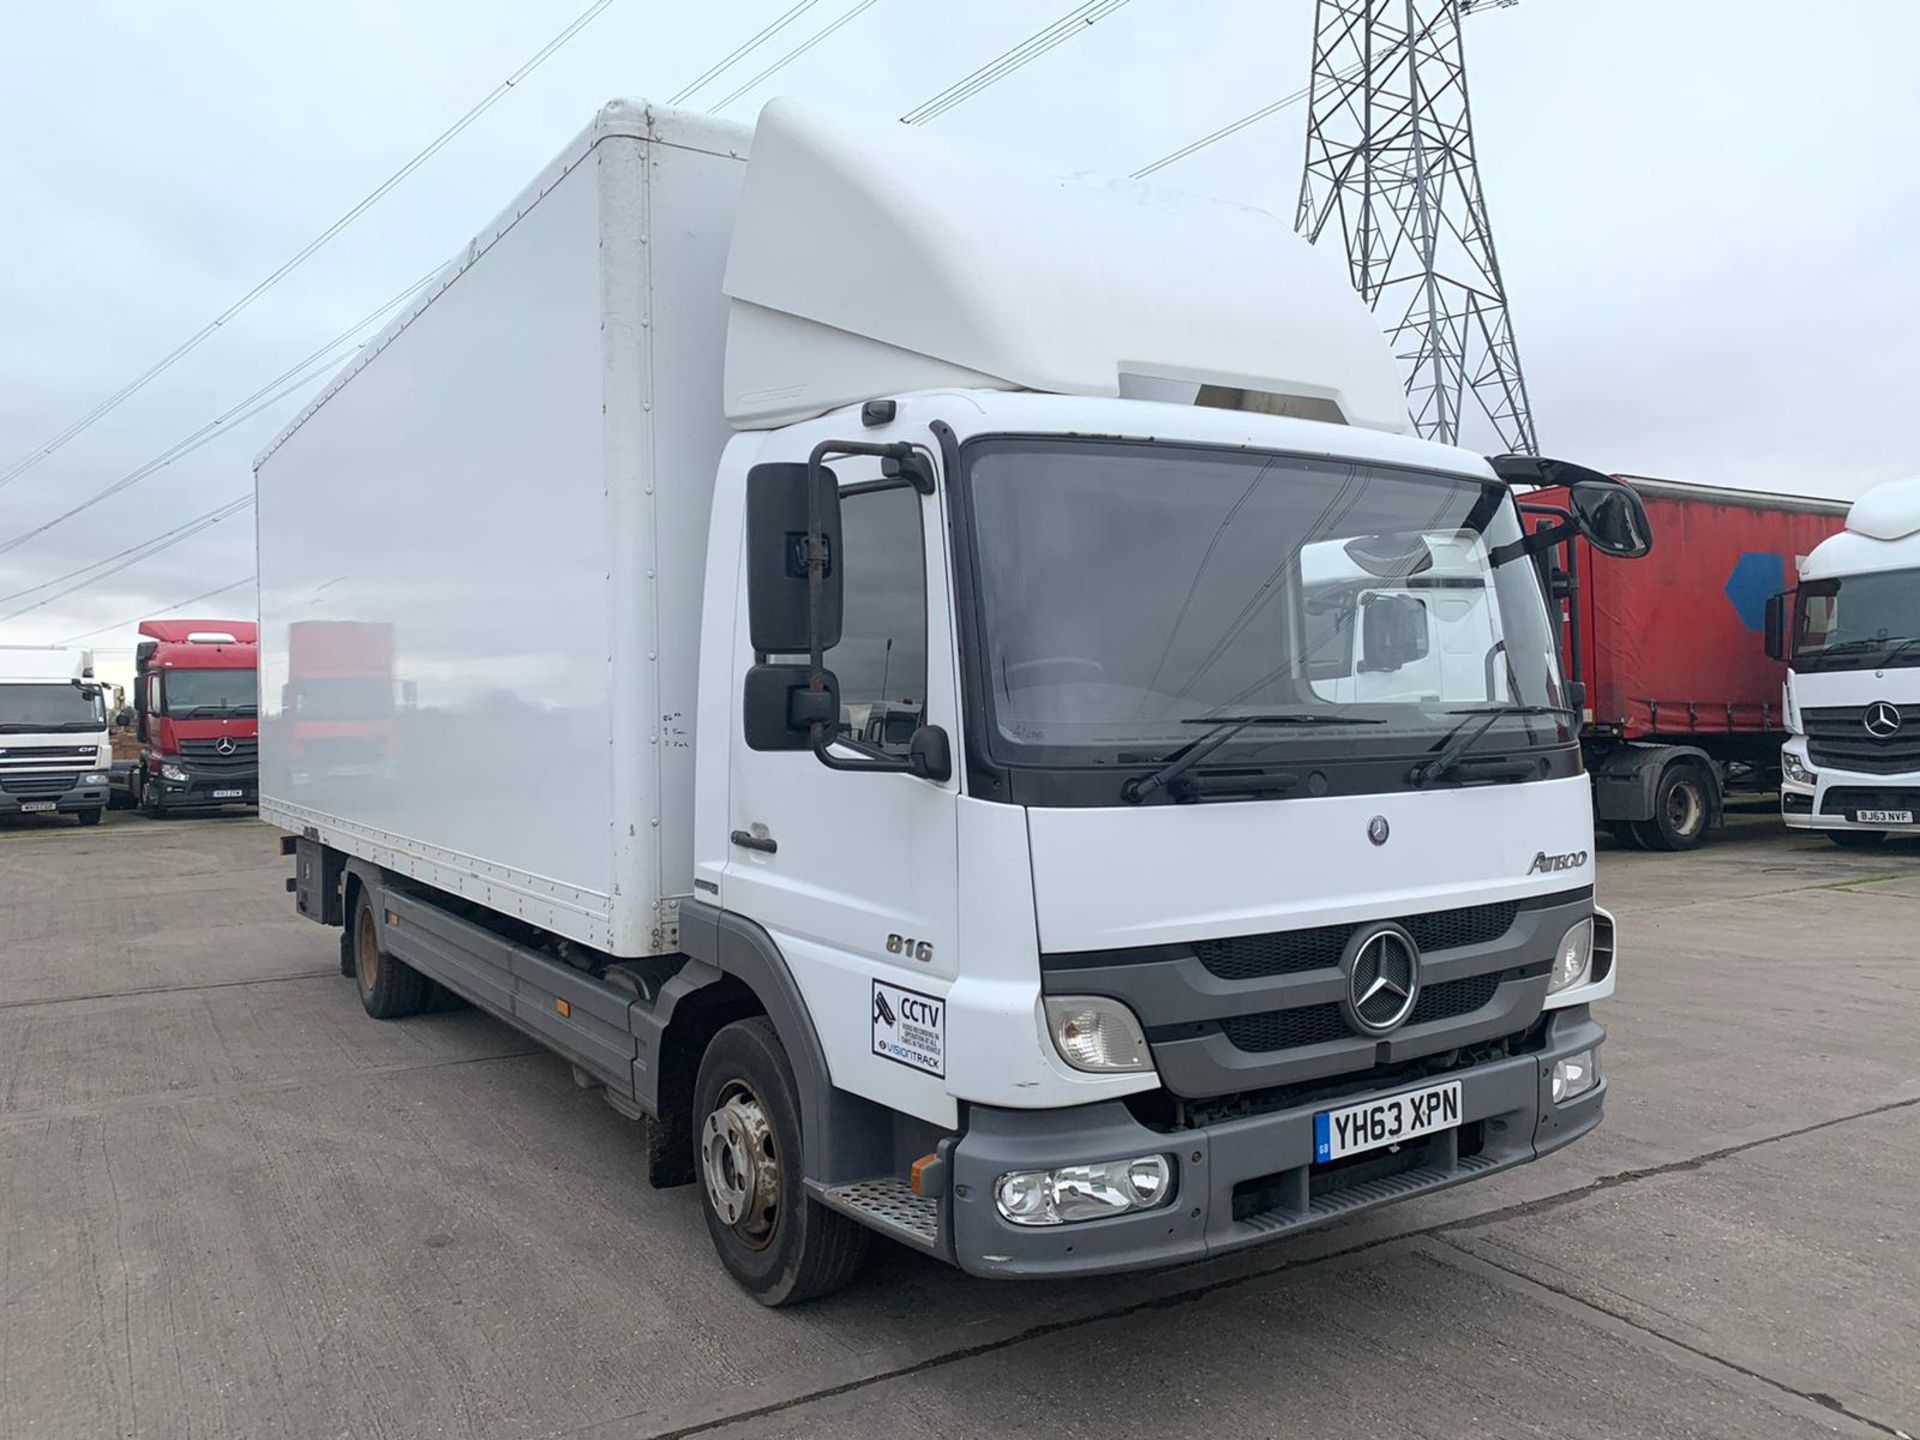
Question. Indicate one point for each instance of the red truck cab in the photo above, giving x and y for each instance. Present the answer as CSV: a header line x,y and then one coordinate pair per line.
x,y
196,700
339,701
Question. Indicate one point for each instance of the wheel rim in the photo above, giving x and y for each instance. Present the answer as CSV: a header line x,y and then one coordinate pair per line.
x,y
740,1165
366,950
1685,807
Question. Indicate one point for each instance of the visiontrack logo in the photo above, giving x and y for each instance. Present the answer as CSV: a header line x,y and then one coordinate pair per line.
x,y
1543,862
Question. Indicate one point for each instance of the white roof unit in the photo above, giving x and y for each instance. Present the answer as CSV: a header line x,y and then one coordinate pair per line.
x,y
872,260
1889,511
43,663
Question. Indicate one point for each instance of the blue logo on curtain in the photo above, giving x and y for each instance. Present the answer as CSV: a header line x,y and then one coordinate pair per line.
x,y
1757,577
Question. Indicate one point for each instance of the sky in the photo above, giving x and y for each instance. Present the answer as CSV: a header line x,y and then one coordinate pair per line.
x,y
1705,214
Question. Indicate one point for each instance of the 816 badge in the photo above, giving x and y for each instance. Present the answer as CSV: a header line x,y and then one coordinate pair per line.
x,y
910,1028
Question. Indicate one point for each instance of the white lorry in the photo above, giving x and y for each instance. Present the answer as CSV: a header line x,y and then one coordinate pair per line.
x,y
1142,942
1850,634
55,754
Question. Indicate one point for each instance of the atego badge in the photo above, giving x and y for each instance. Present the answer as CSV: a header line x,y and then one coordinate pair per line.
x,y
910,1028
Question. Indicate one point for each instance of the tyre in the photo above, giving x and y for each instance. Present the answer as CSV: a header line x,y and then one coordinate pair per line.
x,y
1682,810
92,817
1857,839
781,1246
389,988
1624,835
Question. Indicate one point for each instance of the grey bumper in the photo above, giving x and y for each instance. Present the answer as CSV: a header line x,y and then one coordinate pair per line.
x,y
1506,1105
65,802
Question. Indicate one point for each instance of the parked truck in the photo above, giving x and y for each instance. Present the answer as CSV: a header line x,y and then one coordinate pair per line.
x,y
1849,633
1144,940
55,757
1681,704
196,695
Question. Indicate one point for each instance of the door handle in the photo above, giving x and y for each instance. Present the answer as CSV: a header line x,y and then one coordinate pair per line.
x,y
747,840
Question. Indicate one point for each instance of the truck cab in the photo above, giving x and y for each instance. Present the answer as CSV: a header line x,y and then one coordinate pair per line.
x,y
196,712
1850,634
55,755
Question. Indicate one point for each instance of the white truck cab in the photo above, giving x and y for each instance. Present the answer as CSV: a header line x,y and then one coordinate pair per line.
x,y
1850,634
873,610
55,753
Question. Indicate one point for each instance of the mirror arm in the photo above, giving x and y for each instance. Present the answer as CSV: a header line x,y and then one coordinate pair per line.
x,y
1534,543
873,762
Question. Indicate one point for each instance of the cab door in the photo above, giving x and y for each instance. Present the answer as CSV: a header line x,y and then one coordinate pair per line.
x,y
854,874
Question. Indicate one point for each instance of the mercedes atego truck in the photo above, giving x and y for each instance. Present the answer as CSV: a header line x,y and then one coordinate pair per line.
x,y
1850,634
1222,862
196,705
55,754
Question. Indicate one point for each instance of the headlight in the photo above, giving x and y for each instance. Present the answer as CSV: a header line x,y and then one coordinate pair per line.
x,y
93,779
1084,1192
1795,769
1574,1076
174,773
1096,1034
1574,959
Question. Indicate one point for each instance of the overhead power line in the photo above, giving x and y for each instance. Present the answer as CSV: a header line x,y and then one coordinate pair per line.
x,y
300,256
727,62
1074,22
272,392
132,555
150,614
794,54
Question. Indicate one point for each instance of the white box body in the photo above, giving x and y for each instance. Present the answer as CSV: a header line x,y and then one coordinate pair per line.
x,y
493,525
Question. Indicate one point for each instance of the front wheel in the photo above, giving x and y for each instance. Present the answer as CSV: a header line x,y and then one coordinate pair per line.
x,y
1857,839
91,817
780,1246
1682,808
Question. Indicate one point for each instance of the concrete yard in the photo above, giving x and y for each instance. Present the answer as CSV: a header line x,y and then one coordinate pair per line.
x,y
233,1206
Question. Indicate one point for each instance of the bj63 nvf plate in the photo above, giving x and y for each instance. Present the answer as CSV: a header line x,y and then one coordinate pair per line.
x,y
1390,1120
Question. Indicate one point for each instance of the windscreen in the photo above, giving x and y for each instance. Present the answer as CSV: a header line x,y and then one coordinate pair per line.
x,y
1853,622
211,692
1128,590
341,697
49,707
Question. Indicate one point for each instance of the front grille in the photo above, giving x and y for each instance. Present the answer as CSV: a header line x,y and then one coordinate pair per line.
x,y
1291,952
19,753
1837,736
205,754
1317,1024
1845,799
37,784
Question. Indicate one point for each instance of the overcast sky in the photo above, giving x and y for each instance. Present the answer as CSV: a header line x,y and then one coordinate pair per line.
x,y
1705,210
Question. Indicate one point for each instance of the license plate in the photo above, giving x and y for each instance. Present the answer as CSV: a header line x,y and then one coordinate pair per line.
x,y
228,794
1389,1121
34,807
1883,817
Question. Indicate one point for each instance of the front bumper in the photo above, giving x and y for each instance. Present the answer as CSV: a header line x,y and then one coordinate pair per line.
x,y
203,789
70,801
1243,1181
1836,796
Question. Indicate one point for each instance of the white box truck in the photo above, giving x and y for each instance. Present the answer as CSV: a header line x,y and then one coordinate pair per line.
x,y
872,638
1850,634
55,754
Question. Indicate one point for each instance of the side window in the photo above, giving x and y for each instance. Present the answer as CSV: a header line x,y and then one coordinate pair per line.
x,y
881,660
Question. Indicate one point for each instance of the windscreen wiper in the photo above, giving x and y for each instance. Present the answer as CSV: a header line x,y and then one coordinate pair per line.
x,y
1462,739
1225,727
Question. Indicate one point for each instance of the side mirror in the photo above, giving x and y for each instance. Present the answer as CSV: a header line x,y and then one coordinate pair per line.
x,y
1612,517
930,754
1393,631
780,509
1577,696
781,710
1777,625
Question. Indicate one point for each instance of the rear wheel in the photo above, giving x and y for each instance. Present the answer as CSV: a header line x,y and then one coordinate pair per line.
x,y
1682,809
781,1246
1857,839
389,988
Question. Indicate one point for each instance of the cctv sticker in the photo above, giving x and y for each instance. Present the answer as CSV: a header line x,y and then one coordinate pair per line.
x,y
910,1028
